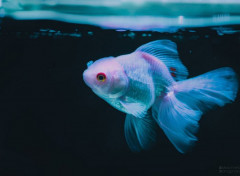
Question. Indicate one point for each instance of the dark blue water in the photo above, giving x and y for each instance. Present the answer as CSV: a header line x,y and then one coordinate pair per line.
x,y
51,123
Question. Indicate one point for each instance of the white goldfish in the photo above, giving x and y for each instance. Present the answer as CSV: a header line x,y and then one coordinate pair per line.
x,y
150,86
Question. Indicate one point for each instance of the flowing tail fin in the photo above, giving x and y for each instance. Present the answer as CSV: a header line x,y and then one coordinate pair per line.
x,y
179,111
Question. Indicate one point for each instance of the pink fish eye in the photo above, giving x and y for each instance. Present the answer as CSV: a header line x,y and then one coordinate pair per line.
x,y
101,77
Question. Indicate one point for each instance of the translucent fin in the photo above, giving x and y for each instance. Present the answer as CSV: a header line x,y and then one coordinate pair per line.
x,y
140,133
166,51
178,121
136,109
203,92
179,111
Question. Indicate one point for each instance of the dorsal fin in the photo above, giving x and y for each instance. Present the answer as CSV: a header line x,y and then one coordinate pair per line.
x,y
166,51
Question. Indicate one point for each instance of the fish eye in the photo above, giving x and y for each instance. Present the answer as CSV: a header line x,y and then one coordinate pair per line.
x,y
101,77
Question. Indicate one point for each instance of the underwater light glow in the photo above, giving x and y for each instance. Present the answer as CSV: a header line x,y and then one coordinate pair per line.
x,y
129,14
180,19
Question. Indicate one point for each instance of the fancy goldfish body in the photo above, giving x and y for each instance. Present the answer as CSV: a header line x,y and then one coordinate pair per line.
x,y
150,85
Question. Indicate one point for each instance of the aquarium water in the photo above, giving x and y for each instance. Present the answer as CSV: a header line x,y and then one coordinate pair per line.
x,y
51,123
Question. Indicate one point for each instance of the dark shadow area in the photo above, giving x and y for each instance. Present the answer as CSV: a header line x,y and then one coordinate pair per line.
x,y
51,123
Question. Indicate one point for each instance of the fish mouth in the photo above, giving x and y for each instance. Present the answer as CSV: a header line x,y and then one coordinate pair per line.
x,y
86,78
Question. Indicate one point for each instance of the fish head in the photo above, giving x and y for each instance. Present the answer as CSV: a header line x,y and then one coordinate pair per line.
x,y
106,78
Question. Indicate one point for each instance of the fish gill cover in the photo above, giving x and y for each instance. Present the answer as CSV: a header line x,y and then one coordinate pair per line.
x,y
128,14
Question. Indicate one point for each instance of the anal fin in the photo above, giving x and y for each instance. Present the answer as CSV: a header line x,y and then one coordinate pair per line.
x,y
140,133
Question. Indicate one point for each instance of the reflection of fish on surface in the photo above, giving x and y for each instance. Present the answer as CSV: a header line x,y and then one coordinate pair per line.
x,y
154,77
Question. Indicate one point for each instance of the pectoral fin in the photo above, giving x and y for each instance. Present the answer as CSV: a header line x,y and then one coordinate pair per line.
x,y
136,109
